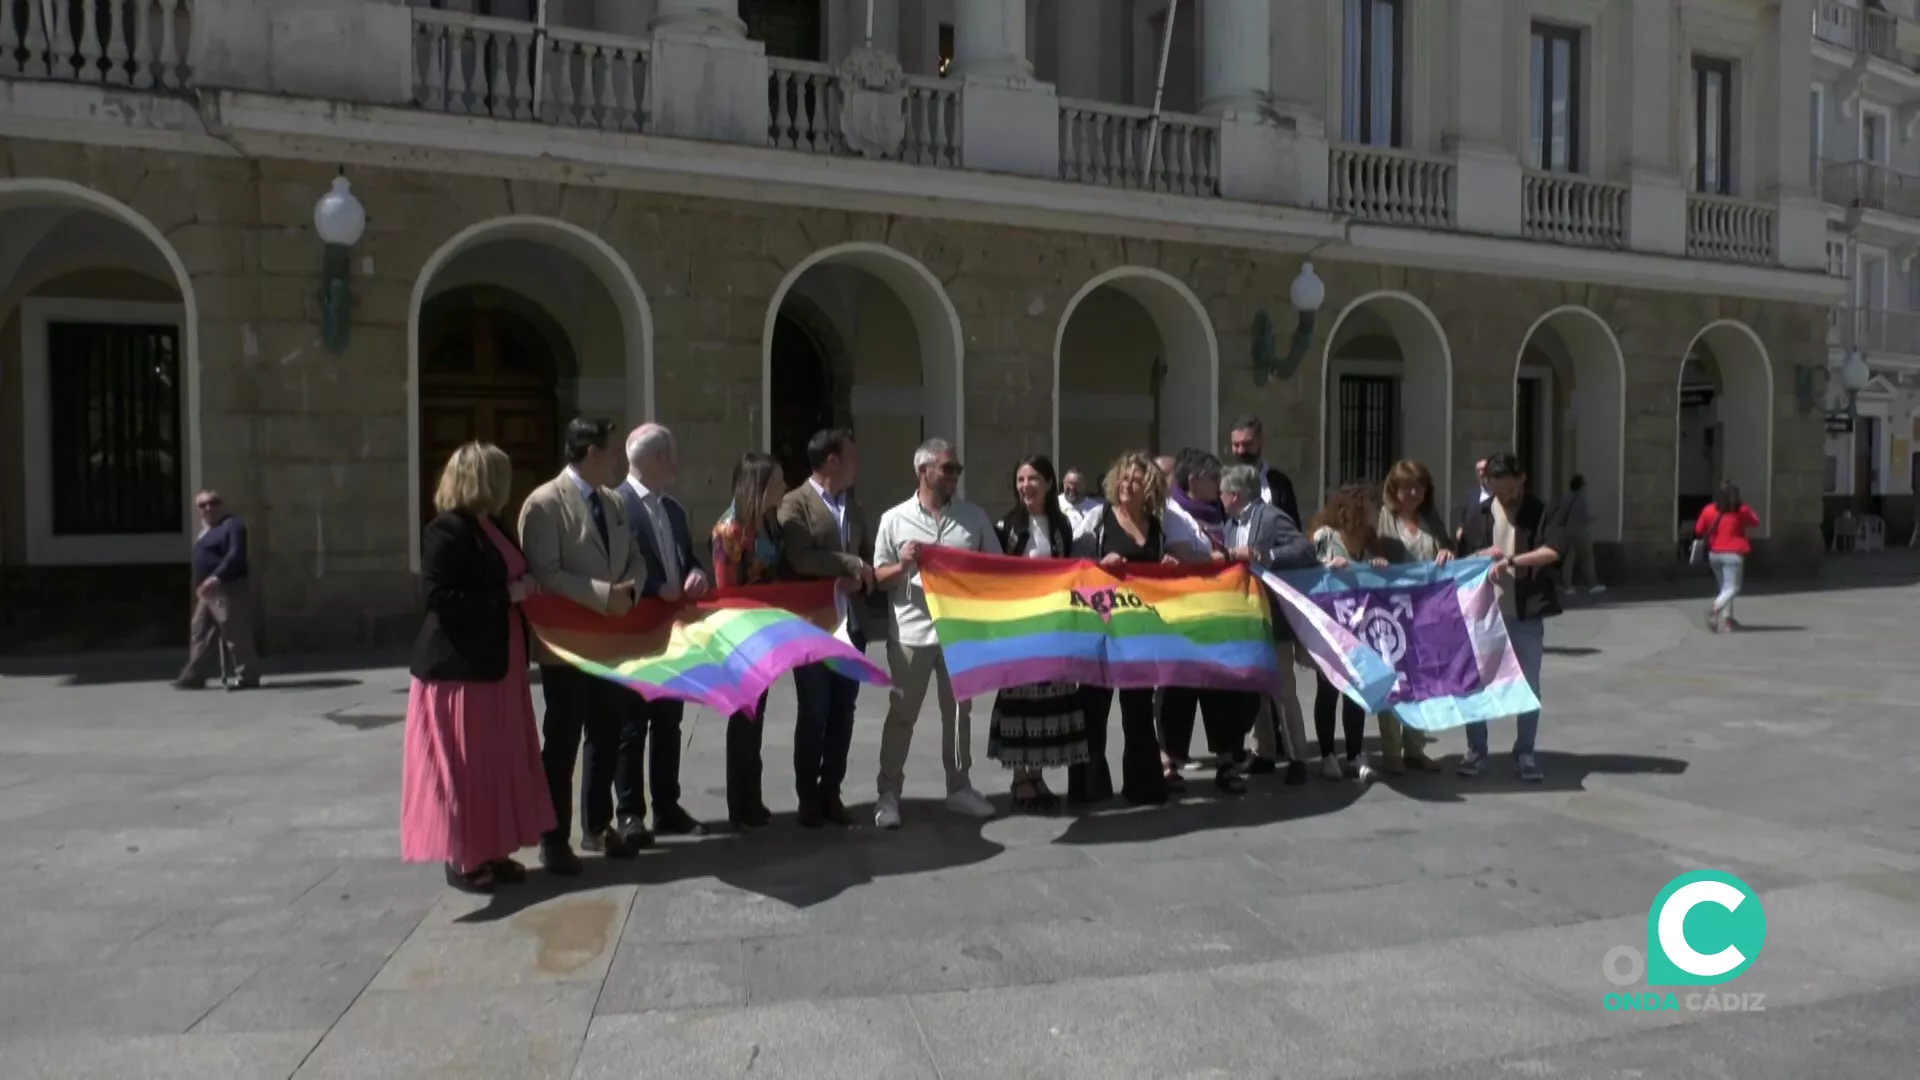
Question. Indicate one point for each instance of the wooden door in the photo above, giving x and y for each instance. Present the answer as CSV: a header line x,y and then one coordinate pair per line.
x,y
488,376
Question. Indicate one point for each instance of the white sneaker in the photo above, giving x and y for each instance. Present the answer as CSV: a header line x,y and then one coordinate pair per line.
x,y
1597,590
886,812
970,803
1330,768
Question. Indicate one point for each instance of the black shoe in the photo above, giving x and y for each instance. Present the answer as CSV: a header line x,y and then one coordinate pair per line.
x,y
836,811
479,883
1261,766
608,843
811,816
247,684
675,821
559,859
1296,773
189,684
633,832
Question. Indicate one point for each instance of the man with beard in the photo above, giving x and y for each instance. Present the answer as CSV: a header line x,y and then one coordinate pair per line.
x,y
1249,446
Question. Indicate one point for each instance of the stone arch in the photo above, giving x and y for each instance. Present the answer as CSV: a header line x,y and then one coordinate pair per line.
x,y
1413,352
1187,409
599,258
30,192
1733,356
940,401
1595,411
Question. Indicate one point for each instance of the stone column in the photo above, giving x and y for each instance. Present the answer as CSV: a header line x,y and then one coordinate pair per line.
x,y
628,18
1237,55
1487,172
1792,34
707,18
990,39
1644,108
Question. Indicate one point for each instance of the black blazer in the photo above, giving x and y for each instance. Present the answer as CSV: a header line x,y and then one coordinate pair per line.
x,y
1536,525
1015,528
1284,500
464,637
642,525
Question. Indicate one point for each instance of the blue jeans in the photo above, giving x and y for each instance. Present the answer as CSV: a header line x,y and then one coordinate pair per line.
x,y
1727,568
823,729
1529,647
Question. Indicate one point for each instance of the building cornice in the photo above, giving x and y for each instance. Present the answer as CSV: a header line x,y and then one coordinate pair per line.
x,y
228,123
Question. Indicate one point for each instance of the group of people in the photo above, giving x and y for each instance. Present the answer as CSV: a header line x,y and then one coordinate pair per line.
x,y
480,782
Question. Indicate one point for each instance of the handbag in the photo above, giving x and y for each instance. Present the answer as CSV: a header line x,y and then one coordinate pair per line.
x,y
1697,554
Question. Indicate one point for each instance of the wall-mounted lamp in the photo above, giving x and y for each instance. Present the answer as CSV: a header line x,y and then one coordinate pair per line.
x,y
1306,295
1851,378
340,220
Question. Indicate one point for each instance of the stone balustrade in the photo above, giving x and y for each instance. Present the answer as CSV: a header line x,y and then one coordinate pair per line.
x,y
1107,144
1727,229
480,66
1391,187
134,43
1580,211
804,101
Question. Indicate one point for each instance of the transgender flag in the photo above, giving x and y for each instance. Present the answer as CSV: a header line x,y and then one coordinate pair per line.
x,y
1422,640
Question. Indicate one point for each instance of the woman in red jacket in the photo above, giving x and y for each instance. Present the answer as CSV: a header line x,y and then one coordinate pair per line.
x,y
1724,526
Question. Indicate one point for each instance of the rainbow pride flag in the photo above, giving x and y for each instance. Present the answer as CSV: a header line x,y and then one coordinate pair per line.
x,y
721,651
1006,621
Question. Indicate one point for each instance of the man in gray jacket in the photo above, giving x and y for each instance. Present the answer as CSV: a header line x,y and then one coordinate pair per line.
x,y
1263,536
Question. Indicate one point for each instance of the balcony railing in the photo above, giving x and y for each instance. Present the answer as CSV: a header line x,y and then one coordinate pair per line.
x,y
1574,210
1836,23
1106,144
1876,330
1391,187
136,43
479,66
1865,185
803,113
1875,33
1730,230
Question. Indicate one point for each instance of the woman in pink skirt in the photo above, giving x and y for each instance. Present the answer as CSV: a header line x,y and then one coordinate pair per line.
x,y
473,791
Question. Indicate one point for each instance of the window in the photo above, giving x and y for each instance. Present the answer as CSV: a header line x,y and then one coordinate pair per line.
x,y
1556,98
1873,136
113,421
1369,427
791,29
1371,83
1712,126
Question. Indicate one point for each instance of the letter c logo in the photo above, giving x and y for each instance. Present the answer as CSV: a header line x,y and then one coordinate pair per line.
x,y
1673,928
1733,920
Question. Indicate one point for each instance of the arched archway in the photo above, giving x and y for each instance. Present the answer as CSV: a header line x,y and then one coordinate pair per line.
x,y
550,266
870,296
1569,412
1386,350
1723,424
1136,365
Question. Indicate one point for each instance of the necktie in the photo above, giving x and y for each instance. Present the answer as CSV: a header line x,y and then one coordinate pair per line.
x,y
599,518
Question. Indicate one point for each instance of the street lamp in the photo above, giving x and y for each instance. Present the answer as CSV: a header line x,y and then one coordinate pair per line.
x,y
1307,293
340,220
1855,375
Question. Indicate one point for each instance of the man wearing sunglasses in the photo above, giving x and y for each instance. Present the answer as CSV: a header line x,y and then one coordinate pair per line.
x,y
223,604
931,518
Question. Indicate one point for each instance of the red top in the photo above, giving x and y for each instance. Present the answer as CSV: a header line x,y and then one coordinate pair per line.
x,y
1726,534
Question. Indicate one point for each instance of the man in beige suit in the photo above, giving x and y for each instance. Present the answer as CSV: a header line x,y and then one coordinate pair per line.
x,y
824,535
574,532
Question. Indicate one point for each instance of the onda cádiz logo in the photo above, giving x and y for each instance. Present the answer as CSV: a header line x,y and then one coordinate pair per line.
x,y
1706,928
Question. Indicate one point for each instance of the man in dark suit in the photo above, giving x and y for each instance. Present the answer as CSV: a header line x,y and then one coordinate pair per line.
x,y
1249,445
659,525
824,535
1247,440
1262,535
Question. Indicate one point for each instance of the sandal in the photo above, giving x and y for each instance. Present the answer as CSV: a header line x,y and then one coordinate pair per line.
x,y
479,882
1228,779
507,871
1032,797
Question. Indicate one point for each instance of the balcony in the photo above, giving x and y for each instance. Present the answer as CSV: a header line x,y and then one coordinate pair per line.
x,y
1874,330
471,65
1574,210
1864,31
1865,185
804,101
140,44
1106,144
1727,229
1383,186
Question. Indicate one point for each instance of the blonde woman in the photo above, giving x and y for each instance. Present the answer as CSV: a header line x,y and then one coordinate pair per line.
x,y
1128,529
472,790
1410,531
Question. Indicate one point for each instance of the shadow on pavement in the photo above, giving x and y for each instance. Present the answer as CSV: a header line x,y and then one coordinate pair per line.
x,y
1565,772
796,866
115,669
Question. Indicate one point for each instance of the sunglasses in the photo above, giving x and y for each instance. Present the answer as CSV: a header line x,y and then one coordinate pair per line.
x,y
952,468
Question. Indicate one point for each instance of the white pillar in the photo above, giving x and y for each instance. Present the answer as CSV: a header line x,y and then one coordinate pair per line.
x,y
1487,174
1645,106
1793,119
1237,54
990,39
711,18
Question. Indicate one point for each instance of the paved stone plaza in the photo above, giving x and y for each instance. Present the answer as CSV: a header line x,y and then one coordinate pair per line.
x,y
208,886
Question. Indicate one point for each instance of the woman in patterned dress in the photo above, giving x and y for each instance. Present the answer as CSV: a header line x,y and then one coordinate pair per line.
x,y
1040,725
746,551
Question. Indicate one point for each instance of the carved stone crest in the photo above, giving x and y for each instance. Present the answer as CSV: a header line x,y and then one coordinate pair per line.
x,y
873,115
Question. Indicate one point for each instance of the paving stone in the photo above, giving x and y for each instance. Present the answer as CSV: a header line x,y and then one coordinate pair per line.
x,y
156,1057
531,1032
800,1040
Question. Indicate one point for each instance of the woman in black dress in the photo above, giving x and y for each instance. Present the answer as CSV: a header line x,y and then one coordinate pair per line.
x,y
1127,530
1039,725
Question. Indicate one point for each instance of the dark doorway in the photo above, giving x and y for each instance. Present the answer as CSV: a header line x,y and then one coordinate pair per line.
x,y
1526,434
1369,428
487,373
802,392
1866,462
791,29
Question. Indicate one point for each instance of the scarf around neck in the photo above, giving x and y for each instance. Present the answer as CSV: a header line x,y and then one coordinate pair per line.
x,y
1211,518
